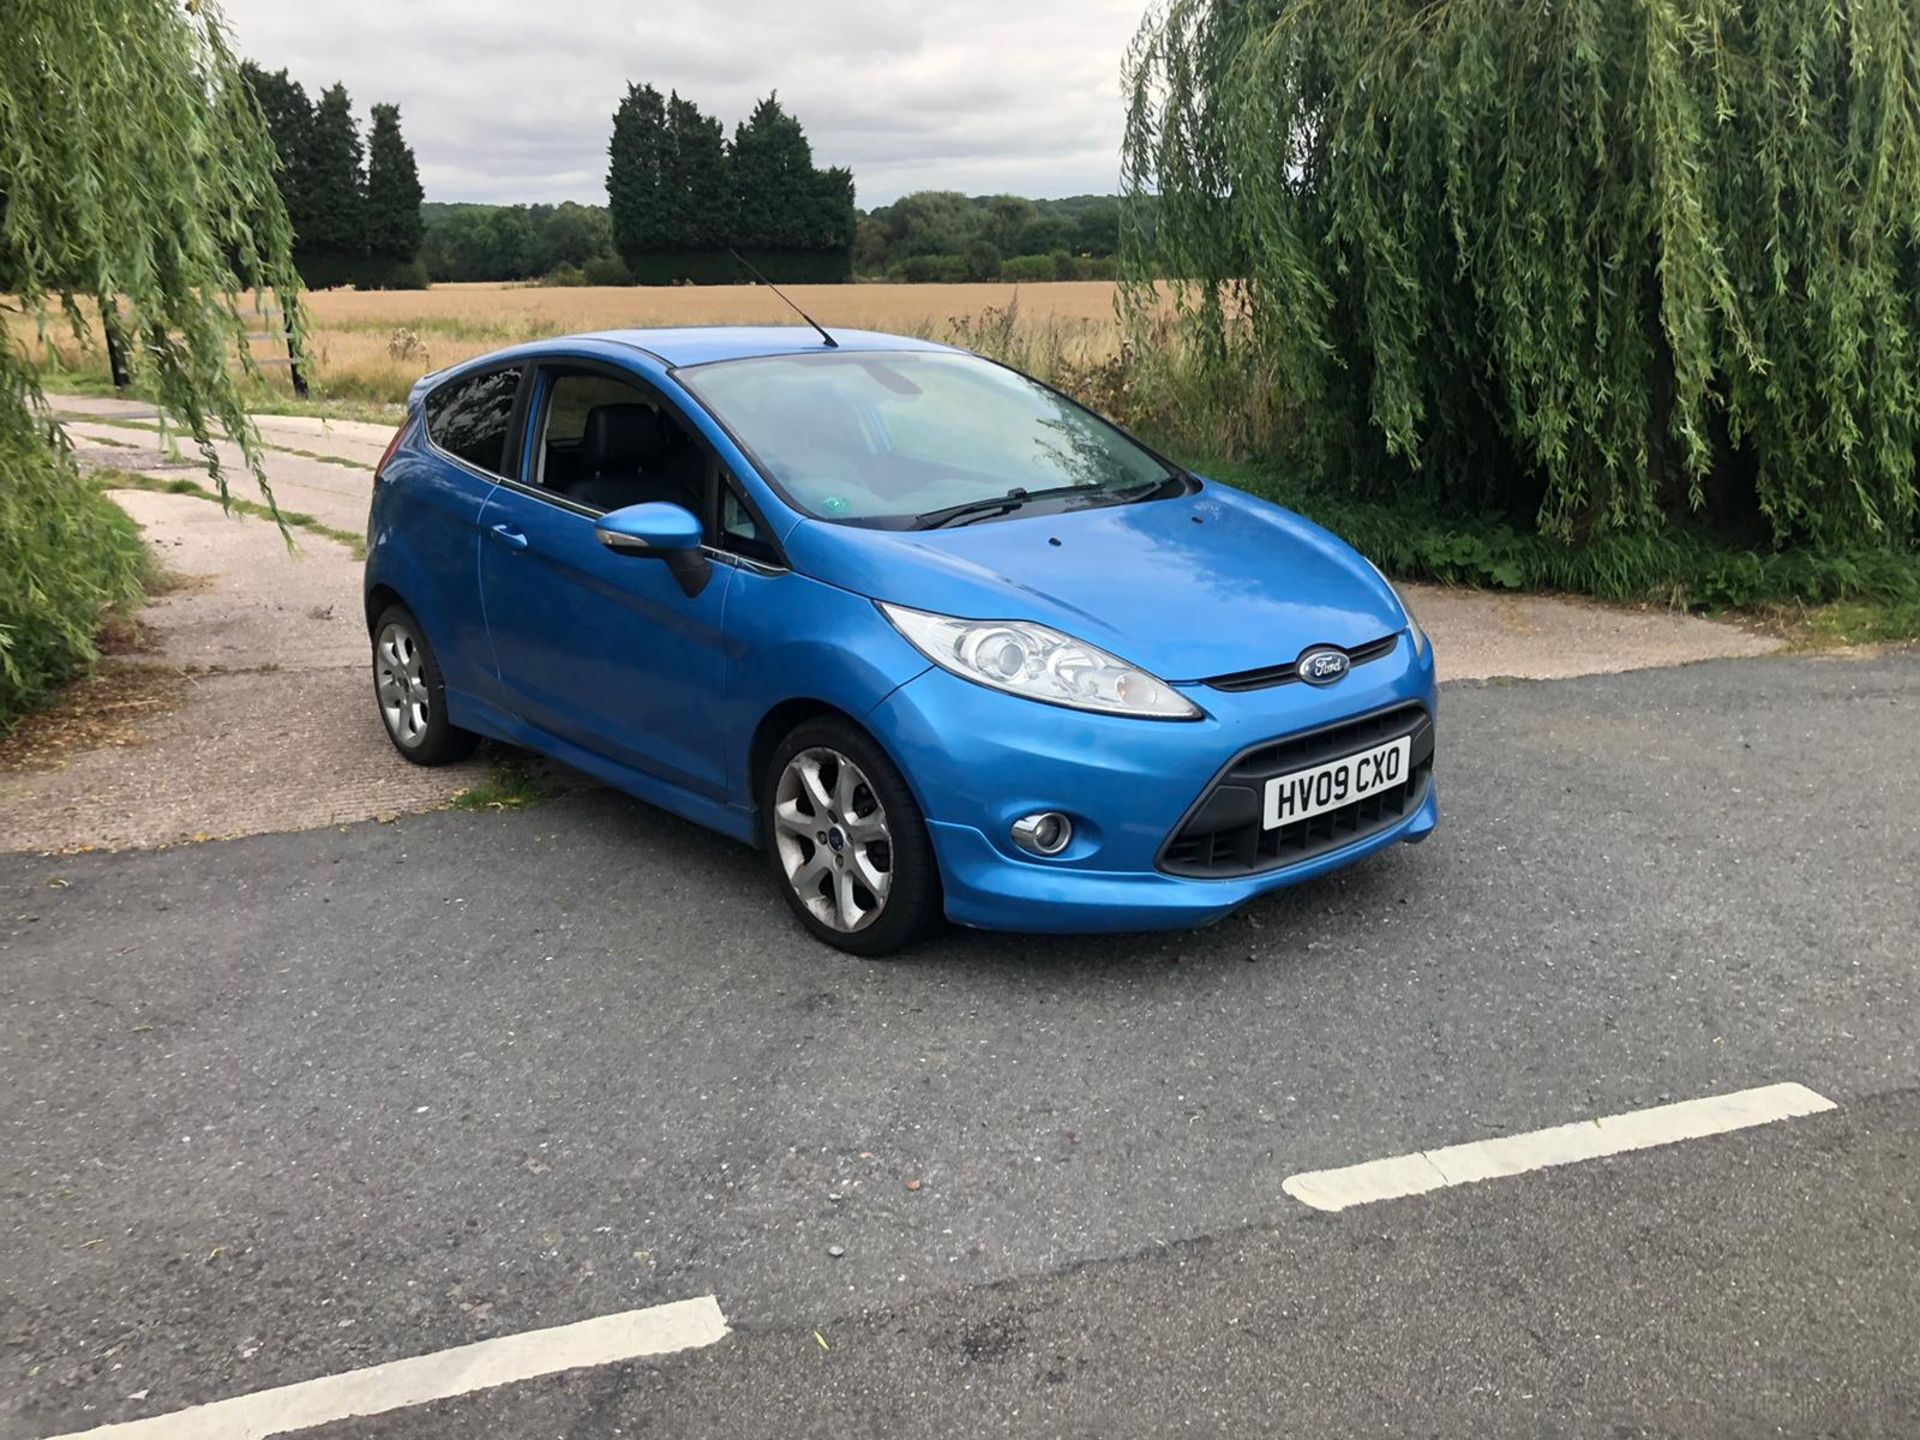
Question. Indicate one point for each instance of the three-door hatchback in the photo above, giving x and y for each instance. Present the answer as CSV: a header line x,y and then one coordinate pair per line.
x,y
936,638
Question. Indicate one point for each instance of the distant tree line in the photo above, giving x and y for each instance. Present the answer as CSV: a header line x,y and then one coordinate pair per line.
x,y
565,244
681,196
355,206
944,236
928,236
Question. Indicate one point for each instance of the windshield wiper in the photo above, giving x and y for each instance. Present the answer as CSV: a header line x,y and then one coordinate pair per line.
x,y
1018,496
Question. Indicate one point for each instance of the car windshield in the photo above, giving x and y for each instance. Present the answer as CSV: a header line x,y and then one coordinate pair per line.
x,y
918,439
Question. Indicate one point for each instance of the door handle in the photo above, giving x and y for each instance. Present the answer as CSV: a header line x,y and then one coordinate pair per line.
x,y
512,536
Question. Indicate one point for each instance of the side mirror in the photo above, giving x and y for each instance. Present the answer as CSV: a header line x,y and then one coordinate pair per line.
x,y
659,531
650,529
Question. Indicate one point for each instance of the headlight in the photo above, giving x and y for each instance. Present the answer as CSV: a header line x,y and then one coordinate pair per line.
x,y
1421,644
1023,658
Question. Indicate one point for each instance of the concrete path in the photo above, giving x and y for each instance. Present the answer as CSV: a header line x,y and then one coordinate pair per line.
x,y
353,439
278,732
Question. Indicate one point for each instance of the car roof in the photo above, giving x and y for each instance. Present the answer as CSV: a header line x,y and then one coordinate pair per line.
x,y
701,344
674,346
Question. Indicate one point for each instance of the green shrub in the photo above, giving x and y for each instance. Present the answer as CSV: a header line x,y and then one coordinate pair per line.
x,y
606,270
1030,269
1091,267
374,274
718,267
931,270
67,556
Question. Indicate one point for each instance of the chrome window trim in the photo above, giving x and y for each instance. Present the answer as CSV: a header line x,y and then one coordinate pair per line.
x,y
587,512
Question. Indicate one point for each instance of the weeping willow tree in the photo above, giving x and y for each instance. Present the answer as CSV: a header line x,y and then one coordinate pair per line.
x,y
1599,261
136,183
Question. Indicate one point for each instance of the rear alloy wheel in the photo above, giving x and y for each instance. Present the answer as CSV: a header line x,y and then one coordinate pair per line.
x,y
847,840
411,694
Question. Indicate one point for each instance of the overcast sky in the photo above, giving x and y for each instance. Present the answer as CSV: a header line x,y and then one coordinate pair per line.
x,y
505,100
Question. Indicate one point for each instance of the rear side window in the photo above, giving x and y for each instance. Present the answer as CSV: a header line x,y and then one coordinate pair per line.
x,y
468,418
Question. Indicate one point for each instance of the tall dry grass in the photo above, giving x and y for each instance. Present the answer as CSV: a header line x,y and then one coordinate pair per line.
x,y
372,346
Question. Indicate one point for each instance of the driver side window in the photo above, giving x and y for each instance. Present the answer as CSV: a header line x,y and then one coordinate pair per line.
x,y
740,532
606,443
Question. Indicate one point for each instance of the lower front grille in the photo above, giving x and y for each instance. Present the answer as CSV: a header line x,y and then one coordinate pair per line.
x,y
1223,835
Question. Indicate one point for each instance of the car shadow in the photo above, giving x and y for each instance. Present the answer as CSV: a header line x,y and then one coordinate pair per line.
x,y
1288,926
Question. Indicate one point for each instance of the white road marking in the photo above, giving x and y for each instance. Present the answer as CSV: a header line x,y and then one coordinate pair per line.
x,y
683,1325
1427,1170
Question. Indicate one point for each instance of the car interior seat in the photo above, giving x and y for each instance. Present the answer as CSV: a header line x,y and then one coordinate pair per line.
x,y
630,454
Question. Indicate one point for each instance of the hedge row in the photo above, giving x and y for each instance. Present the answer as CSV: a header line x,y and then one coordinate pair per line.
x,y
67,556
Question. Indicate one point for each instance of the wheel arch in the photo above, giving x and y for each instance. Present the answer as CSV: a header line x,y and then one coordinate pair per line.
x,y
775,724
378,598
793,711
778,722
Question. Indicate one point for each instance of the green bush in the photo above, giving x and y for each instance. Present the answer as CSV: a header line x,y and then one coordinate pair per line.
x,y
606,270
931,270
67,556
718,267
1083,267
1030,269
374,274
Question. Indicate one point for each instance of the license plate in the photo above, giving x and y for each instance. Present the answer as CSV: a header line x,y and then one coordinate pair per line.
x,y
1307,793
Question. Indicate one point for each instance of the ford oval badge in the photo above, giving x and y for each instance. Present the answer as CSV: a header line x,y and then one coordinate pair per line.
x,y
1323,665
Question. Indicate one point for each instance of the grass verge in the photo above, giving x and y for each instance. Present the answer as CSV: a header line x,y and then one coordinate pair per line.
x,y
180,485
149,427
514,781
261,399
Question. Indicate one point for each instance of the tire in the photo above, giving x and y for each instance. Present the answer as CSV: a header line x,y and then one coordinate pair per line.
x,y
830,841
411,695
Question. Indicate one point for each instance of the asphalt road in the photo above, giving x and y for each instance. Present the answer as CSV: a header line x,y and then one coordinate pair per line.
x,y
284,1107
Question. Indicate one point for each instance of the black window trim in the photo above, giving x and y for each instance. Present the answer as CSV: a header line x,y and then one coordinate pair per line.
x,y
510,449
540,382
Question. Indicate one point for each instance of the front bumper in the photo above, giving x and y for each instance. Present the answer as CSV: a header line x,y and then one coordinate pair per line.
x,y
978,759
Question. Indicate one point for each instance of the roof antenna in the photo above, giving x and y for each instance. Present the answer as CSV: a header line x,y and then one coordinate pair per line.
x,y
831,343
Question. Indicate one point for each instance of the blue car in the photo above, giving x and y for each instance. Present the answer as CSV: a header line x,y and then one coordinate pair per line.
x,y
937,639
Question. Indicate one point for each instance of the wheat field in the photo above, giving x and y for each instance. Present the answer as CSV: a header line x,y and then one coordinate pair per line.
x,y
372,345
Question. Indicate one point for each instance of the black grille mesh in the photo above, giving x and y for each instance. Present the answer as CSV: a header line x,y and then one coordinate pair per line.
x,y
1222,835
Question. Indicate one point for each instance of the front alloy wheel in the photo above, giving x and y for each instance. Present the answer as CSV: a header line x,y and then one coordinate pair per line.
x,y
833,840
846,839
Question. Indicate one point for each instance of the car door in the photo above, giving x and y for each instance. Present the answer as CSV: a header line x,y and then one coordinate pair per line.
x,y
424,532
602,649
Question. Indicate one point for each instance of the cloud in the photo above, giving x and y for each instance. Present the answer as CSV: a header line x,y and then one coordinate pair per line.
x,y
511,102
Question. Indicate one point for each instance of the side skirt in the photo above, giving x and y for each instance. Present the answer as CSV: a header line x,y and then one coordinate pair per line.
x,y
472,713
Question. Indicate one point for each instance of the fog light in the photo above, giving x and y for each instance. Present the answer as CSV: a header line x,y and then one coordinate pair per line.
x,y
1047,833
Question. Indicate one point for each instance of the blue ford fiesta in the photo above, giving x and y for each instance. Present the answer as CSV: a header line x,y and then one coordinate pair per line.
x,y
937,639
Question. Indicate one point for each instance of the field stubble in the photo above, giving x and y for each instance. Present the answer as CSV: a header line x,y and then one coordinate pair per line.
x,y
372,345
